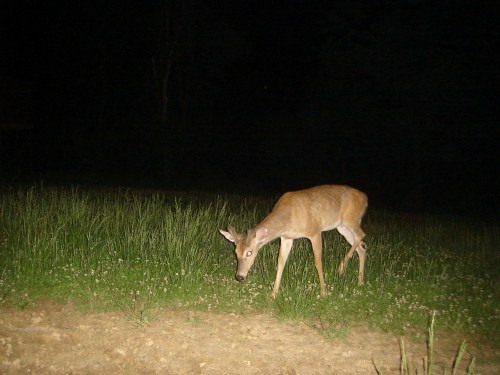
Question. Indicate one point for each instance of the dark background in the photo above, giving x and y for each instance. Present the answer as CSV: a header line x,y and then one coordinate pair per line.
x,y
397,98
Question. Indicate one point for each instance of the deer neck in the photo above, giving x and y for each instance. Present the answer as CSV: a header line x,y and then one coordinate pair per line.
x,y
275,228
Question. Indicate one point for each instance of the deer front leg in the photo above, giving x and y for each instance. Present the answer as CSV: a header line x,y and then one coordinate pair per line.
x,y
317,246
285,247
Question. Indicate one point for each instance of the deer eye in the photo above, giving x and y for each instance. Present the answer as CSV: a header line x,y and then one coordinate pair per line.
x,y
249,253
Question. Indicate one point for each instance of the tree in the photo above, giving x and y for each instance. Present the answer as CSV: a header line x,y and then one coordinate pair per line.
x,y
191,64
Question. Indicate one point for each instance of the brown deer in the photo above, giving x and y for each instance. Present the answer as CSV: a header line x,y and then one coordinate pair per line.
x,y
305,214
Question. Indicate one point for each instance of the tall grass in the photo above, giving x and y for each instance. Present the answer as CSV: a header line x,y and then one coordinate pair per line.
x,y
408,367
136,251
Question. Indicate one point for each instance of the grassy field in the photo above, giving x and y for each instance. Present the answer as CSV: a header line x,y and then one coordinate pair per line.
x,y
136,251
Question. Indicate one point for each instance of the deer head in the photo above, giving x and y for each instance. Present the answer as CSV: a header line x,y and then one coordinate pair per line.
x,y
247,247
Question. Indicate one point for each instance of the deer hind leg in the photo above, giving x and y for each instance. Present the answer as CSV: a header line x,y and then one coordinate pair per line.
x,y
361,250
285,247
354,235
317,246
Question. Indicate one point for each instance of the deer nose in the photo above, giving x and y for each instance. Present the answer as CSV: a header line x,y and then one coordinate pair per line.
x,y
240,278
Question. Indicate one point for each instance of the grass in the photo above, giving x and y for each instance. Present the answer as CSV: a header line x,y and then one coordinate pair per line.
x,y
407,366
136,251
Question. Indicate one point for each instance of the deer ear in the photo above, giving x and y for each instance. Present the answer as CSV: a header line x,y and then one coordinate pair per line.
x,y
231,235
261,233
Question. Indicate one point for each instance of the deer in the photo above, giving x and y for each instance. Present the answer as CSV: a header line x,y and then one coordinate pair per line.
x,y
305,214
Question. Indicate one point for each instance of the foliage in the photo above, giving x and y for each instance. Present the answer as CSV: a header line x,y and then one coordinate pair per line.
x,y
428,364
136,251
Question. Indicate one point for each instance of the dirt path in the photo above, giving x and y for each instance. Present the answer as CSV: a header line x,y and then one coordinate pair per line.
x,y
59,339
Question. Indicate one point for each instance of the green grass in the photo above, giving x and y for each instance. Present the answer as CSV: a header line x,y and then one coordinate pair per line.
x,y
136,251
409,367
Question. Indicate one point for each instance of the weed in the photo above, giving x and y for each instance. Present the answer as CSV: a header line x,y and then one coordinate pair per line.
x,y
406,365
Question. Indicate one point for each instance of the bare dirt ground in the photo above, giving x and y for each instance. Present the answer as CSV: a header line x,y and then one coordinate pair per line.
x,y
59,339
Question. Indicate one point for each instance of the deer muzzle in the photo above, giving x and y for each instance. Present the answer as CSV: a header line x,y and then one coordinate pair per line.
x,y
240,278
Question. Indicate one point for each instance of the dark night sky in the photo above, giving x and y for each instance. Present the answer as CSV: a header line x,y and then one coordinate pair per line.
x,y
397,98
